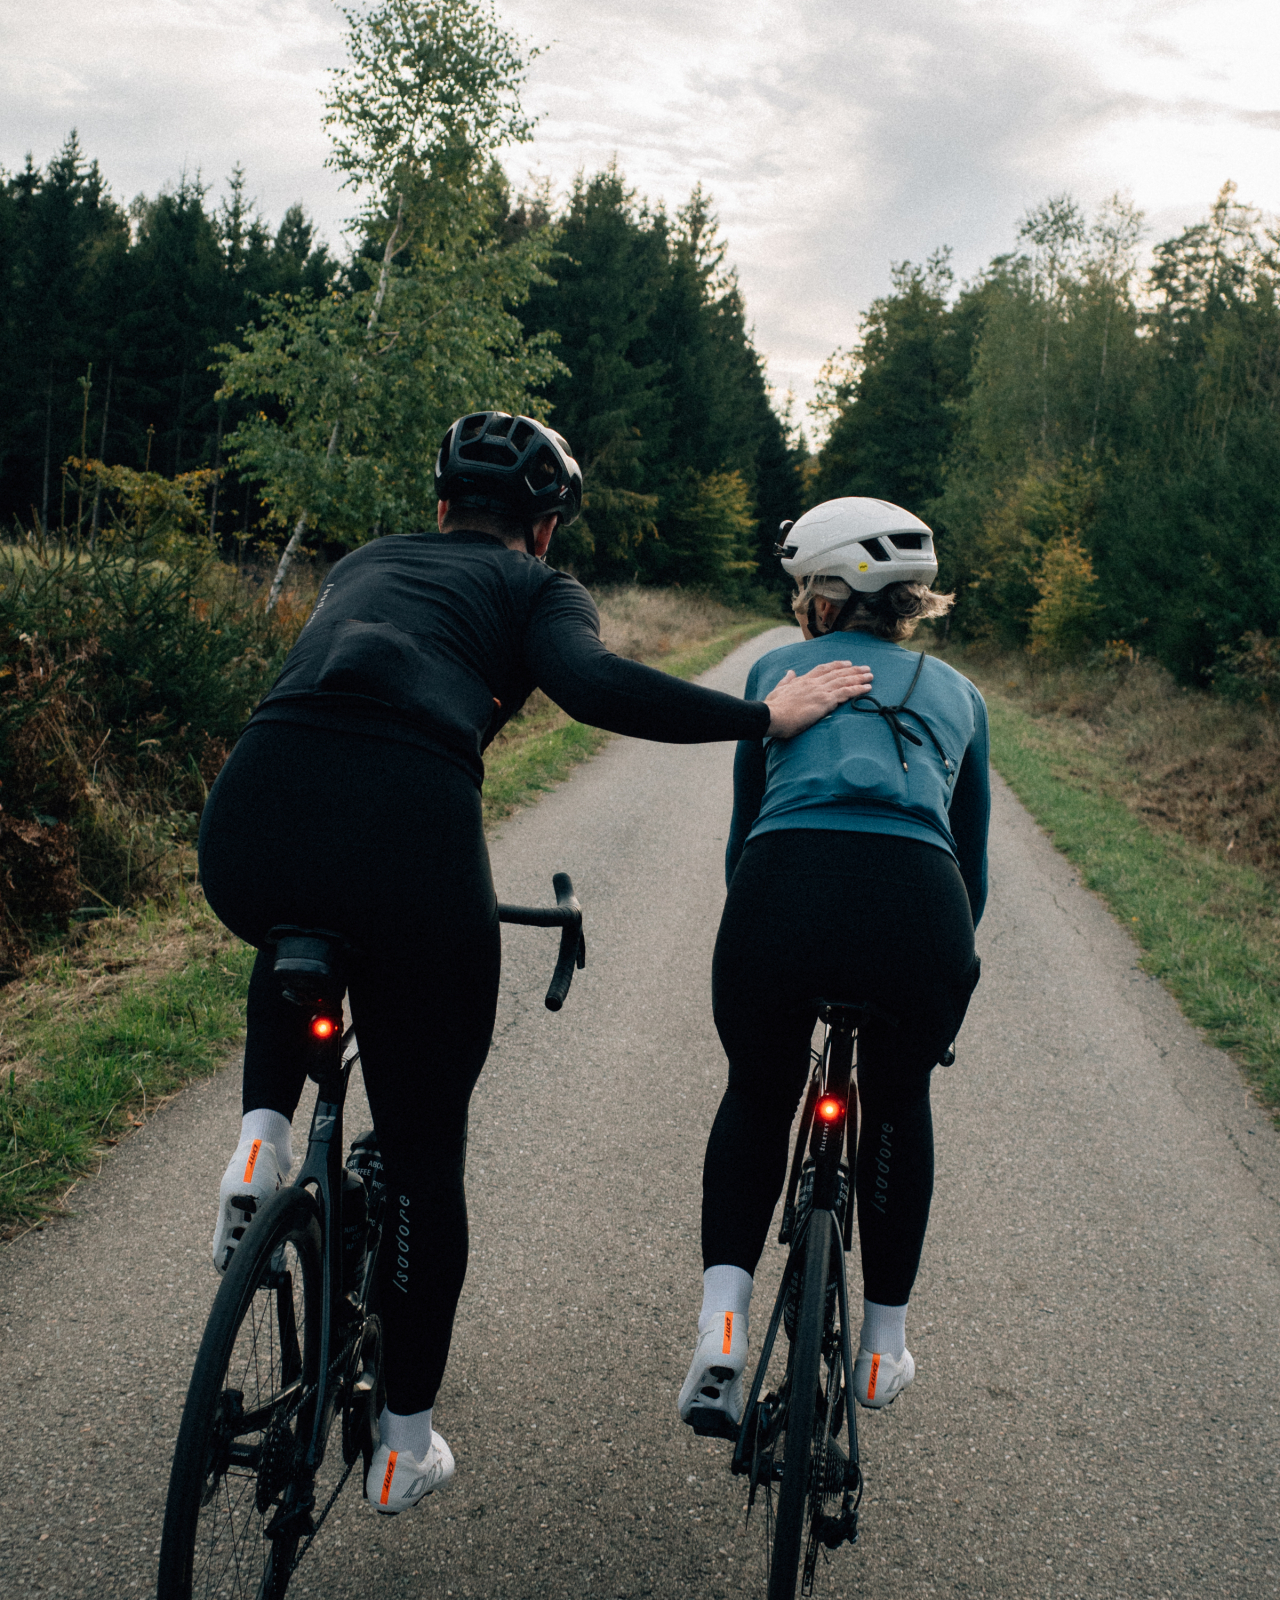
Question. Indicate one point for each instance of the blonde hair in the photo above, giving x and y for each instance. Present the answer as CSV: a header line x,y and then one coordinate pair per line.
x,y
892,613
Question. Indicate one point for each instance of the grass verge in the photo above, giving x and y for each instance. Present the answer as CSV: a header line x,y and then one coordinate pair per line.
x,y
1208,928
95,1038
97,1035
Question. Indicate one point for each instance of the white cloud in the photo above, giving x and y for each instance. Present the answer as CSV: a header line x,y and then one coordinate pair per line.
x,y
158,86
834,135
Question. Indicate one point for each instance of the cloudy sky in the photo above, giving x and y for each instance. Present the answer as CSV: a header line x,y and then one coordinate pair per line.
x,y
835,136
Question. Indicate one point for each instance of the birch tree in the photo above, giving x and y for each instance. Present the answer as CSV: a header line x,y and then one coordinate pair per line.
x,y
355,390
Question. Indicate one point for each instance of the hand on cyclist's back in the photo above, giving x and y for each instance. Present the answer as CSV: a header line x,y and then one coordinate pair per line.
x,y
797,703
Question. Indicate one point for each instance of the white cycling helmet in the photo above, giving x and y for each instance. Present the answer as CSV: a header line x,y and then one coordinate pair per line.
x,y
868,543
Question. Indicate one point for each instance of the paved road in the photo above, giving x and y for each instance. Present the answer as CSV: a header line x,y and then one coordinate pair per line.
x,y
1097,1411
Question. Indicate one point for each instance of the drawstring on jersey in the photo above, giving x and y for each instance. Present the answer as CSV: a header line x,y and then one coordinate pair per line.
x,y
892,715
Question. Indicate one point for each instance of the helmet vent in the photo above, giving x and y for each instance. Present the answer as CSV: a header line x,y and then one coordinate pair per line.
x,y
497,455
543,469
907,541
512,463
876,550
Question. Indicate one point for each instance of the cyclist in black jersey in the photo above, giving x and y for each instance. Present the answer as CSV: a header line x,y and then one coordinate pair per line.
x,y
352,802
856,870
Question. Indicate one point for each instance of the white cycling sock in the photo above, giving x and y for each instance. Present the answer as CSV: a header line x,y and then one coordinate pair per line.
x,y
411,1433
725,1289
275,1128
884,1329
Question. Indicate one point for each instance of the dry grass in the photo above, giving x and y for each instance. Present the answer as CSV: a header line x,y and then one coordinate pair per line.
x,y
1193,763
125,952
648,624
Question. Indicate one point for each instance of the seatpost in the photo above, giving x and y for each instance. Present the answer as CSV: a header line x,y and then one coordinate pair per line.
x,y
832,1110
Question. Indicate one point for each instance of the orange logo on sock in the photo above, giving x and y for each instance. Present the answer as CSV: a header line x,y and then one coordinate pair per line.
x,y
728,1331
875,1373
386,1481
253,1160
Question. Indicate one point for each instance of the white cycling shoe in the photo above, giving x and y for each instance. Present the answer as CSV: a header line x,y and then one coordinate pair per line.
x,y
397,1480
253,1175
879,1379
712,1401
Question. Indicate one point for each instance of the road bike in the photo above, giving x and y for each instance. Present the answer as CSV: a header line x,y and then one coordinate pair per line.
x,y
287,1387
791,1438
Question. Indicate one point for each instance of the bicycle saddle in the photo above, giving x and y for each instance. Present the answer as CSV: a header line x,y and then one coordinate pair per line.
x,y
310,964
852,1011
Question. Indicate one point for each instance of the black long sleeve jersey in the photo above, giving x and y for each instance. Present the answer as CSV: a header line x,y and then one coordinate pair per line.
x,y
437,639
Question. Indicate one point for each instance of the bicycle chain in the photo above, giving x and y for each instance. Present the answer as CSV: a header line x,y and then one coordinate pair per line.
x,y
338,1362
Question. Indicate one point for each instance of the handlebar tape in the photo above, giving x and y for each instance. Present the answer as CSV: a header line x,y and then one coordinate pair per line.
x,y
567,916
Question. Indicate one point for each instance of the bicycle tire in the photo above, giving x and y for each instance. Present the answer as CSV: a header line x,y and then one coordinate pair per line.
x,y
789,1537
237,1446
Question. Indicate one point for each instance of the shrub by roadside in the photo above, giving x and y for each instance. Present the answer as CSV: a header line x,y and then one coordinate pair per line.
x,y
1206,766
125,676
102,1026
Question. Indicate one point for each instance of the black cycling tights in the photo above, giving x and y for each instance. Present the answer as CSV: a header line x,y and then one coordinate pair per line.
x,y
820,914
381,842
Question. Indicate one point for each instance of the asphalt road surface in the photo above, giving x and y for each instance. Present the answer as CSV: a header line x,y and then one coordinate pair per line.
x,y
1097,1410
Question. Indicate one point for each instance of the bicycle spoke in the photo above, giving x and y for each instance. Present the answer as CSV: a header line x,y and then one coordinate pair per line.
x,y
238,1449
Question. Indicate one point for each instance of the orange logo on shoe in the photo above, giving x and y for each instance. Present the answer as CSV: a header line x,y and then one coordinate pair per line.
x,y
728,1331
875,1373
253,1160
387,1477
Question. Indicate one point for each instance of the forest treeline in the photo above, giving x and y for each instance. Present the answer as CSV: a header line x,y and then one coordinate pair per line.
x,y
118,323
1097,446
124,307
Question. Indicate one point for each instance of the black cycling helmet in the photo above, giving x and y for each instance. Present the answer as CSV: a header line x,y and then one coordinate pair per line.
x,y
511,465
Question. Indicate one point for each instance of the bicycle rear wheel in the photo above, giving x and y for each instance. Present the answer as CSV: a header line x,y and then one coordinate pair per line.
x,y
247,1414
789,1537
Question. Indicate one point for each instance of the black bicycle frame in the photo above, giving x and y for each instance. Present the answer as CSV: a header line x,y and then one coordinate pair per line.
x,y
828,1130
322,1174
319,1000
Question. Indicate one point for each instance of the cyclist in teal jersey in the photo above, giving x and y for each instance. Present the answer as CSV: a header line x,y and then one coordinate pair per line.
x,y
856,869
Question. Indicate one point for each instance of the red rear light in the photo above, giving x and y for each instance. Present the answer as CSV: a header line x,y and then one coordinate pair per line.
x,y
322,1027
830,1109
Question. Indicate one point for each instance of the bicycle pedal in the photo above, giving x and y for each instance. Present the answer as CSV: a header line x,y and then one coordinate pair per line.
x,y
710,1423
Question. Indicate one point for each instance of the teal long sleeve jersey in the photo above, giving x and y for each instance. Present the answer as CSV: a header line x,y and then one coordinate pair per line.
x,y
847,771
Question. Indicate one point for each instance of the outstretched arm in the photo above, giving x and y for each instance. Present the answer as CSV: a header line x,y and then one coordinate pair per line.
x,y
587,680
